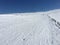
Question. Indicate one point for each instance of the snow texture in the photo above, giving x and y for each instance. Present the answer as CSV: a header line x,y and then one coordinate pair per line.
x,y
41,28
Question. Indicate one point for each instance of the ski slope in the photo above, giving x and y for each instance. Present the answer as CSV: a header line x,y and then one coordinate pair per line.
x,y
55,26
40,28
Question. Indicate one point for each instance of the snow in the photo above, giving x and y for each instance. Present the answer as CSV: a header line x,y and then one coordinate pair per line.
x,y
55,26
39,28
55,14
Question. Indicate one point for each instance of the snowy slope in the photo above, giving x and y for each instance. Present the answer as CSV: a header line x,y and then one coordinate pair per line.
x,y
54,14
29,29
55,26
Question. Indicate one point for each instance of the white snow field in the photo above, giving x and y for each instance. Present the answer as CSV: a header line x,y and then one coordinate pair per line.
x,y
40,28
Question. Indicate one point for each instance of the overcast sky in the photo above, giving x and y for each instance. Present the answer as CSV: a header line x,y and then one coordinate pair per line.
x,y
20,6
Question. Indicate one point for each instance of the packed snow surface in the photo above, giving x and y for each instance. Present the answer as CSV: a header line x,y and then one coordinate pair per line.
x,y
40,28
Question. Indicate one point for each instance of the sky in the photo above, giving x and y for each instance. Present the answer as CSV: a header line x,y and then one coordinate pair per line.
x,y
22,6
